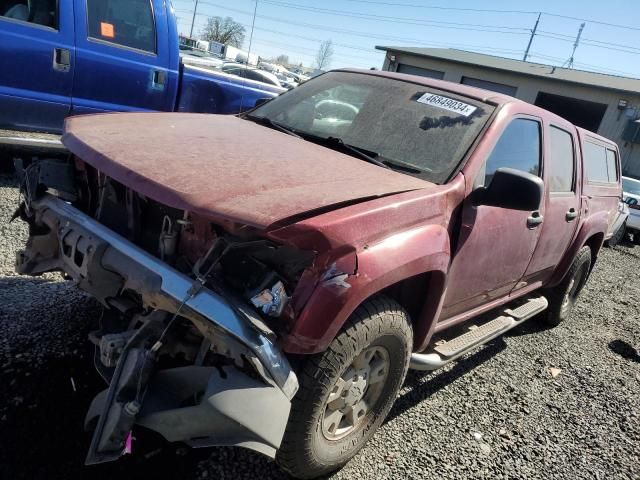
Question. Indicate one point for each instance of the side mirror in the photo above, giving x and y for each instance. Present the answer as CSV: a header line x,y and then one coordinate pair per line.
x,y
512,189
262,101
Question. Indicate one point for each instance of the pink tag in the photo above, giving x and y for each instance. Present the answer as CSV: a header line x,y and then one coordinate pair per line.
x,y
128,445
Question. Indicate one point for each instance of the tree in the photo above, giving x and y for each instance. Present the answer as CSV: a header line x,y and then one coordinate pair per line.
x,y
324,55
224,30
282,59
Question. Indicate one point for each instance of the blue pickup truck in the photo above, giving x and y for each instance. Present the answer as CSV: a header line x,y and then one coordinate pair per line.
x,y
71,57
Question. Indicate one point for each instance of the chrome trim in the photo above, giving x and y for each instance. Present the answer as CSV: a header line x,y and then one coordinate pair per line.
x,y
177,287
32,141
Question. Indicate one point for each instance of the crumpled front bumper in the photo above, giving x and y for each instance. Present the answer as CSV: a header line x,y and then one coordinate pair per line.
x,y
235,409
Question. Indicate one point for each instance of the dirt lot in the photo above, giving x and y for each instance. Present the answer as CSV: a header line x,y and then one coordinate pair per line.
x,y
498,413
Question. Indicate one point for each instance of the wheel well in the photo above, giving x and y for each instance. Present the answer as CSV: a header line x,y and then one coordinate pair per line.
x,y
410,293
594,243
420,297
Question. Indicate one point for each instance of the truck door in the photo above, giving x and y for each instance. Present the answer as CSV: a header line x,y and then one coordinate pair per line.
x,y
562,202
496,244
36,64
123,57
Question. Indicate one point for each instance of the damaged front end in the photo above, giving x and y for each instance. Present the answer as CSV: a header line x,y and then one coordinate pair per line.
x,y
185,354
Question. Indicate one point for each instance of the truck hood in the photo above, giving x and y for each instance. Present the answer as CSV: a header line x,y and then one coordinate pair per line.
x,y
225,167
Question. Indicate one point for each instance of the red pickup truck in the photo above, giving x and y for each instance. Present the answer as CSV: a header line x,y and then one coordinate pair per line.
x,y
268,279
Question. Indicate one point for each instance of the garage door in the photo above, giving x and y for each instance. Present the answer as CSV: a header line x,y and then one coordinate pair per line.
x,y
423,72
493,86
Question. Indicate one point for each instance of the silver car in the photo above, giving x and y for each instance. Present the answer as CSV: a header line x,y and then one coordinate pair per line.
x,y
631,194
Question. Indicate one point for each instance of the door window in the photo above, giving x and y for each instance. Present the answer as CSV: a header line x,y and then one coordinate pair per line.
x,y
518,148
40,12
596,160
128,23
612,166
561,164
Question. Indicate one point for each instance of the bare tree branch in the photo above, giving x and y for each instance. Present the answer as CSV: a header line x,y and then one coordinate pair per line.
x,y
224,30
324,55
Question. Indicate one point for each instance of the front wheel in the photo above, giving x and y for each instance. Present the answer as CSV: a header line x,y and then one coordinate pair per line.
x,y
346,392
563,297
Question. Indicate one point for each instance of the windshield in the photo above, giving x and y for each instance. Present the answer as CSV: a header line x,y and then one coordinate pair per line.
x,y
407,124
631,186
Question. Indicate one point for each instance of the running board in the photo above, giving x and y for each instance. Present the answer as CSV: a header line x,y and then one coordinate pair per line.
x,y
446,352
31,140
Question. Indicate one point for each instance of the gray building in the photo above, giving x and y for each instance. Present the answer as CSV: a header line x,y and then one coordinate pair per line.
x,y
606,104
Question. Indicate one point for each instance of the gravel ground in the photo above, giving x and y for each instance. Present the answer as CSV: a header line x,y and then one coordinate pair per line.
x,y
498,413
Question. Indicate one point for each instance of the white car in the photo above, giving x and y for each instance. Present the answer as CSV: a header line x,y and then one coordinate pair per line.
x,y
631,194
618,230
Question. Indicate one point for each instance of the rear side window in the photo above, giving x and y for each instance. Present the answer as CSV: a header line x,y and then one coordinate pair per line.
x,y
561,163
518,147
600,163
612,166
128,23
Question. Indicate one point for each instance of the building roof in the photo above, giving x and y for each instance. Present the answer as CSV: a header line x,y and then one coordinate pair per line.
x,y
599,80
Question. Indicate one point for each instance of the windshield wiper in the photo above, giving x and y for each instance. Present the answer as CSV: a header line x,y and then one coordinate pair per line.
x,y
360,152
407,167
266,121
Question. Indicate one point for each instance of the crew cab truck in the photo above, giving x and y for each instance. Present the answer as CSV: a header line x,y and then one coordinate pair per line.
x,y
273,290
71,57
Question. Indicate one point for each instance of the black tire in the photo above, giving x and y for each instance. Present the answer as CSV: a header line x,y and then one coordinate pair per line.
x,y
617,236
306,452
636,237
563,297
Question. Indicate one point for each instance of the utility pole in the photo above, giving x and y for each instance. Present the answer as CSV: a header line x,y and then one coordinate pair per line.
x,y
533,34
569,62
193,20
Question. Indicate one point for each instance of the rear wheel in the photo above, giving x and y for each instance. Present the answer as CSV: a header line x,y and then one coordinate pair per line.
x,y
563,297
346,392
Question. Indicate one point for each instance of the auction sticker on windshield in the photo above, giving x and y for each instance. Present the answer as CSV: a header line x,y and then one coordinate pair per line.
x,y
447,104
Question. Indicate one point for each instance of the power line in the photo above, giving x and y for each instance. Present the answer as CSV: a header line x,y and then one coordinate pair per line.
x,y
405,20
348,46
602,45
580,64
524,12
435,24
598,22
363,34
436,7
562,36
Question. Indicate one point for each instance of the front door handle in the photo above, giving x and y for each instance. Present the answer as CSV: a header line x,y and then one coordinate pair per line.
x,y
534,220
571,215
159,79
61,59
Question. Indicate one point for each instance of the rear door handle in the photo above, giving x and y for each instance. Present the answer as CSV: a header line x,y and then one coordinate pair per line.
x,y
571,215
534,220
61,59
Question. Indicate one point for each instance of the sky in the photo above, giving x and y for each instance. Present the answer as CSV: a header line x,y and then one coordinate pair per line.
x,y
297,27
